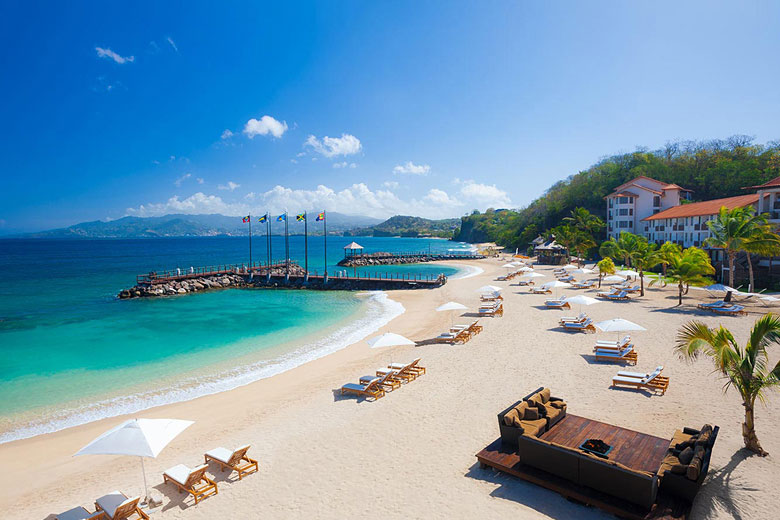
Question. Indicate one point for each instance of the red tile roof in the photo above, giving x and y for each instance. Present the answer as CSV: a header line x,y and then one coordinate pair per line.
x,y
708,207
774,183
622,194
674,187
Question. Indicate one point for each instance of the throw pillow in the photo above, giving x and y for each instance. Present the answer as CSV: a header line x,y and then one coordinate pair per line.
x,y
694,468
704,436
680,469
531,414
685,444
686,455
545,395
558,404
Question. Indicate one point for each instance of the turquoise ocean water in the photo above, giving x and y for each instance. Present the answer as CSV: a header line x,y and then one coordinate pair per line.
x,y
70,352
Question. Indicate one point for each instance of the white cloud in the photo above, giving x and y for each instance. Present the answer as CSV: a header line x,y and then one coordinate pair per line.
x,y
357,199
413,169
111,55
226,134
181,179
344,164
173,44
264,126
200,180
441,198
486,195
334,146
229,186
294,161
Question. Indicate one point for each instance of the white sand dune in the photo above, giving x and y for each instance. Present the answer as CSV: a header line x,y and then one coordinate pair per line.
x,y
411,454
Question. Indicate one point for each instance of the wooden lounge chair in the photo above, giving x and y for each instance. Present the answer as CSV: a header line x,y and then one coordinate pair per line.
x,y
525,283
540,290
622,295
627,355
733,310
492,311
475,327
574,319
191,480
653,381
634,289
613,345
585,326
710,305
557,304
583,285
79,513
370,389
412,369
388,380
117,506
235,460
491,298
566,278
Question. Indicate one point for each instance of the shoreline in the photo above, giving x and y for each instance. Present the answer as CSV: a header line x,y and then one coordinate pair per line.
x,y
376,310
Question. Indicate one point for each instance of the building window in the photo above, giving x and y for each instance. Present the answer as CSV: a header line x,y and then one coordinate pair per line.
x,y
610,202
656,201
623,212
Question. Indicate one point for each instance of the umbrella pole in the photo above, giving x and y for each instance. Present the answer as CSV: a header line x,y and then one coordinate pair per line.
x,y
146,489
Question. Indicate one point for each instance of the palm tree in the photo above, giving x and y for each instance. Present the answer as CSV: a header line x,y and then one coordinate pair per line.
x,y
618,248
584,221
732,229
644,257
667,251
606,266
745,369
762,241
690,267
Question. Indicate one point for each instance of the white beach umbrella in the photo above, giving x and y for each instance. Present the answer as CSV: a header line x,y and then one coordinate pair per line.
x,y
557,284
628,272
508,266
532,274
613,278
584,270
389,339
618,325
581,300
451,306
138,437
719,287
570,267
525,269
490,289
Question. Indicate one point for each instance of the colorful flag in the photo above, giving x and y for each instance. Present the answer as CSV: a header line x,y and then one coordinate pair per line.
x,y
300,217
320,216
263,218
245,219
282,217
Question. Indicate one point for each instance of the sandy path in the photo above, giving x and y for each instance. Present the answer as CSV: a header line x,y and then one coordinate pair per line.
x,y
411,454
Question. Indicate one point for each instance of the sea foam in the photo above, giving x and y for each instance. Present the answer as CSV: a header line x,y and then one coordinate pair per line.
x,y
380,310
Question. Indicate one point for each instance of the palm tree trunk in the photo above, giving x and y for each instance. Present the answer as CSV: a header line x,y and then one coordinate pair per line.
x,y
750,270
600,280
731,268
749,430
641,283
679,295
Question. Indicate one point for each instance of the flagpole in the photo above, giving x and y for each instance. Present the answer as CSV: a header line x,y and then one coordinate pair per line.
x,y
306,242
268,240
325,232
286,246
250,241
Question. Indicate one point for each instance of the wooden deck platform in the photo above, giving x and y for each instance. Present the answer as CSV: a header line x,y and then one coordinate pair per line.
x,y
633,449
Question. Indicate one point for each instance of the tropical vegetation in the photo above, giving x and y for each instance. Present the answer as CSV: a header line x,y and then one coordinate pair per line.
x,y
745,369
712,169
691,267
606,267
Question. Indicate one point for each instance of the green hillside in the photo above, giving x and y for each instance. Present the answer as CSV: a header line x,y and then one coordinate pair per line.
x,y
712,169
406,226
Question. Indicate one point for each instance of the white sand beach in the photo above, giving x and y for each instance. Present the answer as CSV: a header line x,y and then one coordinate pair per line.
x,y
412,453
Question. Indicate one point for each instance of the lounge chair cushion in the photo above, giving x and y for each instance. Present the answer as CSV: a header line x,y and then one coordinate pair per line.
x,y
694,468
179,473
77,513
512,418
545,395
704,435
686,455
353,386
561,405
531,414
534,428
111,502
221,454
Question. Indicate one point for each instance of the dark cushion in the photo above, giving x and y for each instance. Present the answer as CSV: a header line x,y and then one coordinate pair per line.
x,y
680,469
704,436
685,456
531,414
557,404
690,443
694,468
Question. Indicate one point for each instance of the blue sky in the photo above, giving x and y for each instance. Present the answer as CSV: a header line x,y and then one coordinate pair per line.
x,y
375,108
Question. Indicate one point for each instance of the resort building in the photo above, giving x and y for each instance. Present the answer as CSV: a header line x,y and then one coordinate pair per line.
x,y
686,224
638,199
769,199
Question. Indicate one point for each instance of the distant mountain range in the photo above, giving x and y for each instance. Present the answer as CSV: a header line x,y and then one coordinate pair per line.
x,y
177,225
406,226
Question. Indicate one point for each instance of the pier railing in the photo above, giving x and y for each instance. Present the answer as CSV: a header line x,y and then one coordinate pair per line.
x,y
181,273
